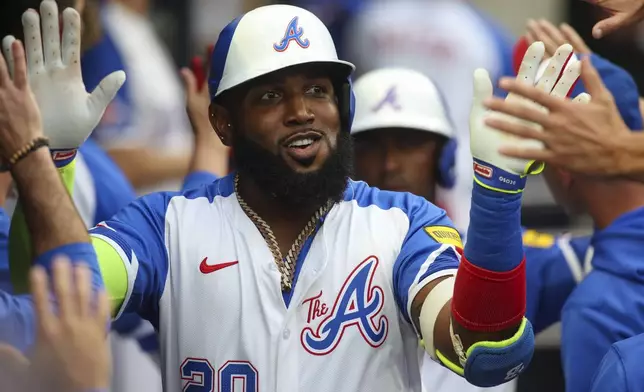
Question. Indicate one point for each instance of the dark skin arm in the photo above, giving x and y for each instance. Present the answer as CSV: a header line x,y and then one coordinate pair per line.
x,y
442,339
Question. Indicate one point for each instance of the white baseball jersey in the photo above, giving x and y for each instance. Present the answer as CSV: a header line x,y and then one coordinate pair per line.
x,y
201,272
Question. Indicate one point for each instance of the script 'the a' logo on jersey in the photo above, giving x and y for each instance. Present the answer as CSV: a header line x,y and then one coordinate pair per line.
x,y
358,305
293,33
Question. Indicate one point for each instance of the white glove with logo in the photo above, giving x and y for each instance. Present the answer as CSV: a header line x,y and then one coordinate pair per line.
x,y
69,113
491,169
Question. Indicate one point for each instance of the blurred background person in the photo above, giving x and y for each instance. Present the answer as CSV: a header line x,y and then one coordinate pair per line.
x,y
445,40
146,129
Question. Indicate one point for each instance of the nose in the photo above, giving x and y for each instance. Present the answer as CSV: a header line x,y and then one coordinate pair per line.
x,y
298,112
392,160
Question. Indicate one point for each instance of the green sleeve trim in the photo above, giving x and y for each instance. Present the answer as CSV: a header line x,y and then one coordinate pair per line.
x,y
114,273
20,250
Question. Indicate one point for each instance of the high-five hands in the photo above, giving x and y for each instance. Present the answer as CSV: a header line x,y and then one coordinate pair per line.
x,y
491,169
69,113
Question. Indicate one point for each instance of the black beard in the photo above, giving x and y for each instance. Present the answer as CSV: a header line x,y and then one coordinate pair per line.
x,y
292,189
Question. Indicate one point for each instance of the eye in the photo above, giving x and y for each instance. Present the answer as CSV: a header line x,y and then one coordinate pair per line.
x,y
317,90
269,95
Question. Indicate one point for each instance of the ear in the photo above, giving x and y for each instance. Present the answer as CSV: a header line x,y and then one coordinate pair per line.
x,y
221,122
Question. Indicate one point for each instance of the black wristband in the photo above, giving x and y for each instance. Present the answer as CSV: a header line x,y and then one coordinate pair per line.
x,y
30,147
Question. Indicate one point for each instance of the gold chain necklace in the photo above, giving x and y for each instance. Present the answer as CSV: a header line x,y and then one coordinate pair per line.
x,y
285,265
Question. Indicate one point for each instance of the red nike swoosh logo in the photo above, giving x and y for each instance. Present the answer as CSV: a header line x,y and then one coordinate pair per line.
x,y
206,268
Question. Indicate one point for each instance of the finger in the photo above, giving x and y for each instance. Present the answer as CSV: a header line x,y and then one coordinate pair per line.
x,y
530,38
540,35
199,72
7,42
529,92
39,282
105,92
609,25
5,79
102,308
189,81
482,87
20,79
62,273
50,33
33,42
573,38
567,80
519,110
83,282
514,151
71,49
553,32
592,81
530,63
582,98
555,67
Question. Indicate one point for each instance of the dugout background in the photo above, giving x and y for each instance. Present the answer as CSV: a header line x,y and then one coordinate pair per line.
x,y
187,26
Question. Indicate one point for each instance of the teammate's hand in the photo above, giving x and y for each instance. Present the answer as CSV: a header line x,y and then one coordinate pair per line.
x,y
502,173
579,138
20,121
210,154
622,13
553,37
71,351
68,112
197,96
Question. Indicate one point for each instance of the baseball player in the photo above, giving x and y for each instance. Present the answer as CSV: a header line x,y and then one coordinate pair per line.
x,y
286,274
605,307
404,141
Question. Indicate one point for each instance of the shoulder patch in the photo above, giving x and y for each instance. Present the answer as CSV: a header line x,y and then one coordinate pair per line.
x,y
535,239
445,235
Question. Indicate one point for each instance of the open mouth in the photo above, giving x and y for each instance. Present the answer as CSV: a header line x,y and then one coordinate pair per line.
x,y
303,147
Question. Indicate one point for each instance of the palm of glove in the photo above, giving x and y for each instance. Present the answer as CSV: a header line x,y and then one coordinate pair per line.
x,y
68,112
486,141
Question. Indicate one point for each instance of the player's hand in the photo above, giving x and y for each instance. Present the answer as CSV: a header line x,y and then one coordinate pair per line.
x,y
210,154
576,137
71,351
491,169
14,369
197,96
553,37
622,13
69,113
20,120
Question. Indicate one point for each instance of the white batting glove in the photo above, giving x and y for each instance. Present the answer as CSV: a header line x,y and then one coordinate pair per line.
x,y
69,113
491,169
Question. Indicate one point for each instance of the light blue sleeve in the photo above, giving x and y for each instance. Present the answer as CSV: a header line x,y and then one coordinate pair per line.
x,y
422,258
137,233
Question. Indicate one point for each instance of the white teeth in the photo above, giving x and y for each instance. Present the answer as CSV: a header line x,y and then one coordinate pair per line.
x,y
301,143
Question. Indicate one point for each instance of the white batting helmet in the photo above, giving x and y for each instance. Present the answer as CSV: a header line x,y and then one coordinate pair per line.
x,y
404,98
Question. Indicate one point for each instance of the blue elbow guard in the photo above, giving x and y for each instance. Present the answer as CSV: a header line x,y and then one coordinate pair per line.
x,y
490,364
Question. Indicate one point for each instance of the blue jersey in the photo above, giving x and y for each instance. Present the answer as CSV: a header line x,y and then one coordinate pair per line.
x,y
608,306
554,267
621,368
